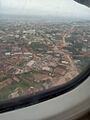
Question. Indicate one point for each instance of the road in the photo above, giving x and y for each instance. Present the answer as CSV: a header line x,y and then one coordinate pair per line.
x,y
72,71
72,67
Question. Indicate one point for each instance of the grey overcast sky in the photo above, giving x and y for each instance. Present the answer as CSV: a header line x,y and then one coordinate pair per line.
x,y
45,7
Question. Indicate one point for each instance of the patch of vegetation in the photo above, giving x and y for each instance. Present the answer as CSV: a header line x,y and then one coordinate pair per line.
x,y
5,92
73,50
11,71
25,76
37,46
84,62
21,64
3,77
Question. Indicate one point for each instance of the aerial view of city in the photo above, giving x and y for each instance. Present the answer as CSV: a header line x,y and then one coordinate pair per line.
x,y
37,54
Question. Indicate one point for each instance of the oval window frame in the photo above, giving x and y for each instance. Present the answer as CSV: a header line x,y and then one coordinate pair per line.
x,y
28,100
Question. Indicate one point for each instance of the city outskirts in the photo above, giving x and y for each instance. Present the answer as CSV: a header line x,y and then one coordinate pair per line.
x,y
36,55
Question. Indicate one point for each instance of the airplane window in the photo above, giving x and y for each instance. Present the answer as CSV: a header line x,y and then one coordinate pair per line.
x,y
43,44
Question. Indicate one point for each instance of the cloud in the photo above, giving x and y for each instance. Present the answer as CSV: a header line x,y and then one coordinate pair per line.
x,y
45,7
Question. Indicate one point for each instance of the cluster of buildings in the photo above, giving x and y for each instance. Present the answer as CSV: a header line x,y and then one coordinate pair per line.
x,y
40,54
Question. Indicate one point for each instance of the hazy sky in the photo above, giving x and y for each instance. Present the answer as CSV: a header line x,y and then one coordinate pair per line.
x,y
44,7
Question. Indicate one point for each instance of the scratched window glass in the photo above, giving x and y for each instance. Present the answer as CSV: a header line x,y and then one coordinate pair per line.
x,y
43,44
